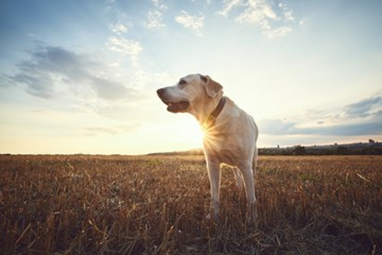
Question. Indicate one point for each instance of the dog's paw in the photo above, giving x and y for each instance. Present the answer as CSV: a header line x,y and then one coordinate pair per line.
x,y
251,214
212,216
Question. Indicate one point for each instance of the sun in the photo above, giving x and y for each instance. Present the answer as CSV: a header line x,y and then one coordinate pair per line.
x,y
193,134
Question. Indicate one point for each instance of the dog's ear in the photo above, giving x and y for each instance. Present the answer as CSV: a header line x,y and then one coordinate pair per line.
x,y
212,86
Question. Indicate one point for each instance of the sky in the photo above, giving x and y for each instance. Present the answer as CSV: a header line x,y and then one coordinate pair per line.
x,y
80,76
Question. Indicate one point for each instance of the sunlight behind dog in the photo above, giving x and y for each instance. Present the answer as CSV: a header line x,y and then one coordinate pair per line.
x,y
193,133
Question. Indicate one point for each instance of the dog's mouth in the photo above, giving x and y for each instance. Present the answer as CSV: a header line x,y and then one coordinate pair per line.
x,y
181,106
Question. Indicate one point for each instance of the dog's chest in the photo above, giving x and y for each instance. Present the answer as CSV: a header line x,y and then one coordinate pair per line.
x,y
225,149
232,140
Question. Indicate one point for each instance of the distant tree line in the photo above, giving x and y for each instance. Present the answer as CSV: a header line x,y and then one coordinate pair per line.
x,y
374,148
370,148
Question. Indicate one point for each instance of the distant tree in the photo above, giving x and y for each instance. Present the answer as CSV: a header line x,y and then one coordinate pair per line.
x,y
299,150
371,141
342,151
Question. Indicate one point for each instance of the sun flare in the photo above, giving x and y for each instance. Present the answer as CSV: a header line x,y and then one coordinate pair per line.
x,y
194,134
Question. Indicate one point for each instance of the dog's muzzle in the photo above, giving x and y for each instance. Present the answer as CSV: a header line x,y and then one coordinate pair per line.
x,y
172,106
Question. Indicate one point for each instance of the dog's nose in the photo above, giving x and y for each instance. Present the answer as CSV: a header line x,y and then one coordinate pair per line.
x,y
160,92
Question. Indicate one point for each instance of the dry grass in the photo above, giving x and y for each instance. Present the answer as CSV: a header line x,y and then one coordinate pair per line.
x,y
157,205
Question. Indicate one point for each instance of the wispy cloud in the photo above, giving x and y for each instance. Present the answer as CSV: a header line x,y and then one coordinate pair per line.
x,y
118,28
282,128
288,13
155,19
155,15
195,23
229,5
357,119
364,107
278,32
110,130
274,21
159,4
129,47
50,68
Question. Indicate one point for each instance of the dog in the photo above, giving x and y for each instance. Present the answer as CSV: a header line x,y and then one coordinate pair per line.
x,y
230,134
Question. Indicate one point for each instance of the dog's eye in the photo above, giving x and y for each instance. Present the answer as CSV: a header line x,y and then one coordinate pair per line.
x,y
182,83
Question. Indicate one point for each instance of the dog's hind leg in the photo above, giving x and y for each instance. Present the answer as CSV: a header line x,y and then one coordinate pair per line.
x,y
249,183
254,160
238,177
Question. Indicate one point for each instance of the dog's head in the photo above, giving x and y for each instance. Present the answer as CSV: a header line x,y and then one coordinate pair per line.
x,y
190,92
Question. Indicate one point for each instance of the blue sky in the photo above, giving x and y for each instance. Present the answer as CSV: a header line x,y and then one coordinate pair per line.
x,y
81,76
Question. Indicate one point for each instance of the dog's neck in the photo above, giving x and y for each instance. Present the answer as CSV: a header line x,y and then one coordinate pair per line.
x,y
210,121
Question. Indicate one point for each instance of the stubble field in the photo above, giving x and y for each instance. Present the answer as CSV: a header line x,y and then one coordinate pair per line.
x,y
158,205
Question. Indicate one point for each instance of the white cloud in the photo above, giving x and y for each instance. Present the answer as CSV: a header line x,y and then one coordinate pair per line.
x,y
303,22
155,16
192,22
274,21
269,12
228,6
155,19
159,4
288,13
255,13
208,2
278,32
129,47
118,28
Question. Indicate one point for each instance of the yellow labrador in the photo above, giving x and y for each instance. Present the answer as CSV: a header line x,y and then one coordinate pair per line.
x,y
230,134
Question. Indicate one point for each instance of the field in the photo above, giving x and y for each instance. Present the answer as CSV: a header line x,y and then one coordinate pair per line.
x,y
157,205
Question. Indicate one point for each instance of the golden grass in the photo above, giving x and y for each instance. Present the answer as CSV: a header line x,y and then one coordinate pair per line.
x,y
157,205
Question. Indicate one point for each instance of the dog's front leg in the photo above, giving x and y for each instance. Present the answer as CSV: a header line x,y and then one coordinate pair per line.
x,y
214,175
